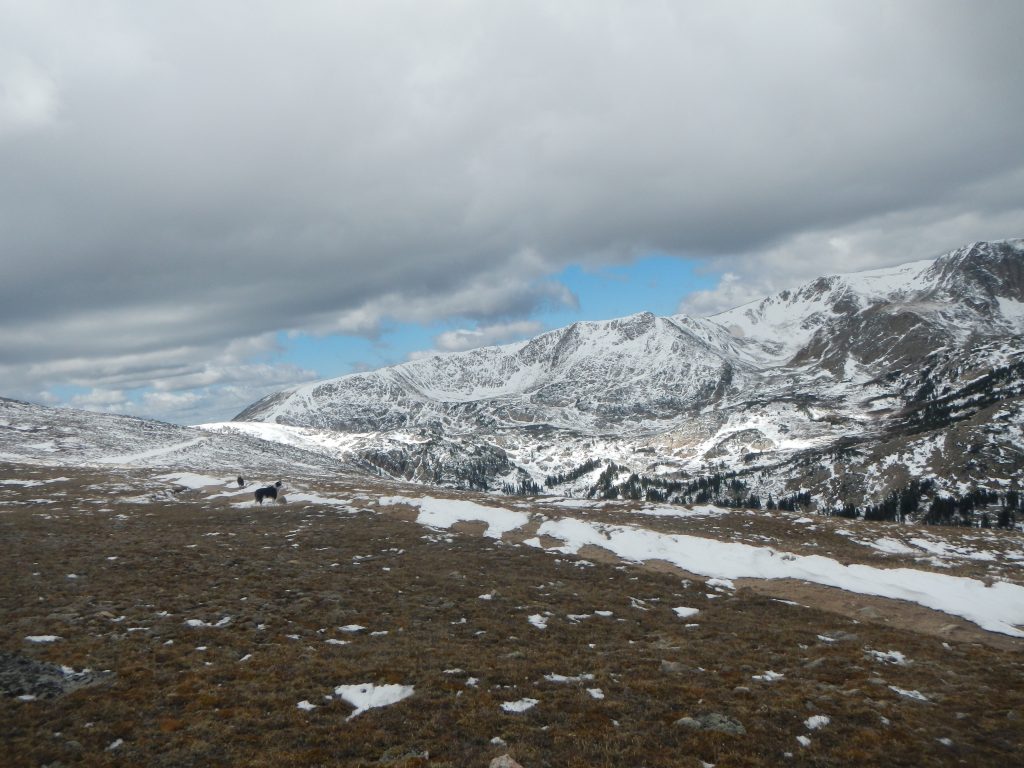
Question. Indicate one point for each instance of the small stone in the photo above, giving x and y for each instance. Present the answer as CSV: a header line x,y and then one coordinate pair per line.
x,y
505,761
869,613
672,667
403,757
840,637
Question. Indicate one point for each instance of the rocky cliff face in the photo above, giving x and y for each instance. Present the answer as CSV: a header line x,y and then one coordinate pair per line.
x,y
847,374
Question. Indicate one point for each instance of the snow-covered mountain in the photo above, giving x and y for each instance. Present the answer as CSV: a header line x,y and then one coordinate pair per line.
x,y
847,387
886,318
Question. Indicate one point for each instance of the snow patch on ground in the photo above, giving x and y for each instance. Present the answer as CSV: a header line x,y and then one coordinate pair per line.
x,y
193,481
522,705
444,513
365,696
889,657
996,608
916,695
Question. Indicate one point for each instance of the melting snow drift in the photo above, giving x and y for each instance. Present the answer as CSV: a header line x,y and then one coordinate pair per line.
x,y
996,608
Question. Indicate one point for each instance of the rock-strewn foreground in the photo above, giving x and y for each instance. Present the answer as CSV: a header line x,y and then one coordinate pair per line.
x,y
365,623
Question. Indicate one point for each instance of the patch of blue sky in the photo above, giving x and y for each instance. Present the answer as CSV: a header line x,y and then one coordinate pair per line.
x,y
652,284
339,354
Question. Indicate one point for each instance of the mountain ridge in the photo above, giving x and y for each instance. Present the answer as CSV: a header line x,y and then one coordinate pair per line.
x,y
841,363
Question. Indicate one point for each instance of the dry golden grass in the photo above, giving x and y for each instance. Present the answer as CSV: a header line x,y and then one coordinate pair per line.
x,y
290,576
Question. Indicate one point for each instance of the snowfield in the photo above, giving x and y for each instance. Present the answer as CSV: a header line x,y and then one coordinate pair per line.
x,y
444,513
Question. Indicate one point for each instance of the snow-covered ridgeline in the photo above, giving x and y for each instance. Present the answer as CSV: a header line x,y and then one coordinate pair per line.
x,y
66,437
791,317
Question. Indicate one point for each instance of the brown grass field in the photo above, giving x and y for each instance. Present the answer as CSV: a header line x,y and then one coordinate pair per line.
x,y
116,576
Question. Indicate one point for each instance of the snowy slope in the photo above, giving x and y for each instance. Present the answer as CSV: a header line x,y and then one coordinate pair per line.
x,y
891,316
65,437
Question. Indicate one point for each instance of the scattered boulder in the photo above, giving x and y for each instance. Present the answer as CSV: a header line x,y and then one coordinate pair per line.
x,y
505,761
842,637
399,757
713,721
22,676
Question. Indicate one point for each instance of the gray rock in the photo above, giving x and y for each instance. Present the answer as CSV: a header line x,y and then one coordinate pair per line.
x,y
403,757
23,676
713,721
840,637
505,761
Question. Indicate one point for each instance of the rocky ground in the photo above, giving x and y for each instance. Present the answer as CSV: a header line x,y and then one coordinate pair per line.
x,y
169,621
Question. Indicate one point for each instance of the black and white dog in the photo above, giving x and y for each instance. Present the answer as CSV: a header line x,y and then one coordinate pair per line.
x,y
268,492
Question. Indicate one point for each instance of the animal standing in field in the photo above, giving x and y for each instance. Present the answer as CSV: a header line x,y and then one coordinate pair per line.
x,y
268,492
241,481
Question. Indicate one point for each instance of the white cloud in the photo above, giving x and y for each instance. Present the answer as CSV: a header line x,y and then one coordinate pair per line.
x,y
513,286
100,400
187,385
464,339
887,240
731,291
28,96
485,336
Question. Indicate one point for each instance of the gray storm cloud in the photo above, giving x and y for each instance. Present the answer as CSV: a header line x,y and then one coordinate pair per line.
x,y
183,176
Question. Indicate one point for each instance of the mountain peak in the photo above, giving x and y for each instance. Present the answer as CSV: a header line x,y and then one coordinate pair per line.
x,y
982,272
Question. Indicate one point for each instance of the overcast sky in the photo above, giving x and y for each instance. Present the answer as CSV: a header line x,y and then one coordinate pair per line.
x,y
203,202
